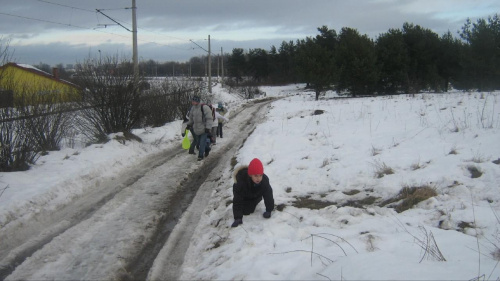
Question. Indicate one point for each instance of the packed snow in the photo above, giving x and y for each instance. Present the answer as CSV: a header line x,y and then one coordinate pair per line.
x,y
328,162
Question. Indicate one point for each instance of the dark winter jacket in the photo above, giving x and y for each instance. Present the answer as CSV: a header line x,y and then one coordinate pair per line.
x,y
245,191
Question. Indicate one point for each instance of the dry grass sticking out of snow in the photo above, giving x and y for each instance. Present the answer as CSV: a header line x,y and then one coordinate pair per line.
x,y
379,188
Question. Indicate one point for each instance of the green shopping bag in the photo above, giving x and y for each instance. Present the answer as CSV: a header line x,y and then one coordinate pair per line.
x,y
186,143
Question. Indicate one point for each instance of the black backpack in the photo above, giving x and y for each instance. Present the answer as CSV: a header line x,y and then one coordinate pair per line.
x,y
203,113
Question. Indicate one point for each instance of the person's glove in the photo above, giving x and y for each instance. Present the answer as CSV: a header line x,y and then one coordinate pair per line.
x,y
188,127
266,215
237,222
207,131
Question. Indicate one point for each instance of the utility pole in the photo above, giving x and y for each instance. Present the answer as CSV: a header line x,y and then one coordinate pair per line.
x,y
134,44
134,39
209,68
222,66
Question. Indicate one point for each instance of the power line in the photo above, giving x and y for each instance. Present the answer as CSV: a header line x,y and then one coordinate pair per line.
x,y
41,20
119,22
62,5
97,11
81,27
199,46
59,23
90,11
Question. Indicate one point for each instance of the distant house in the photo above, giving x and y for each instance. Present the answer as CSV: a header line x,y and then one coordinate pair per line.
x,y
28,84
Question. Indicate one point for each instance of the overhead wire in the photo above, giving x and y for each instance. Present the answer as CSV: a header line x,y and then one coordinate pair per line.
x,y
93,29
62,5
106,32
42,20
97,17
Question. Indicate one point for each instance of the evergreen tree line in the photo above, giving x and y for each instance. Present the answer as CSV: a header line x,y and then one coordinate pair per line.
x,y
408,60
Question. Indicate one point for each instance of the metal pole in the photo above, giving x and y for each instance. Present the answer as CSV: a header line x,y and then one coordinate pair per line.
x,y
209,68
222,66
134,44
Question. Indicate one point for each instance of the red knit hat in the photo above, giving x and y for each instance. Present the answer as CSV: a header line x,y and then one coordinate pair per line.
x,y
255,167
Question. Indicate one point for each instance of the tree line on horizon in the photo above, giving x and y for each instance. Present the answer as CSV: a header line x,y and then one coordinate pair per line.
x,y
409,60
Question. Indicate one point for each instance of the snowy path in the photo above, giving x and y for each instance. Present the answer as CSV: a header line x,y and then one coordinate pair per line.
x,y
122,224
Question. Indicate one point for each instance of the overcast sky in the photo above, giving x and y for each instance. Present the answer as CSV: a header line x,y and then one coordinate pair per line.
x,y
69,31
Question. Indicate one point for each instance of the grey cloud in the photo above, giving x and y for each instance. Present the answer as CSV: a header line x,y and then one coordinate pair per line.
x,y
291,20
175,15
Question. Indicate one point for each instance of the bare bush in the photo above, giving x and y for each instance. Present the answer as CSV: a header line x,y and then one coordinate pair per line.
x,y
33,120
30,128
5,54
47,120
16,151
17,147
246,92
110,99
168,101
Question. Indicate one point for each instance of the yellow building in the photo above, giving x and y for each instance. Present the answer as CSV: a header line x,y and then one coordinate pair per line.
x,y
28,84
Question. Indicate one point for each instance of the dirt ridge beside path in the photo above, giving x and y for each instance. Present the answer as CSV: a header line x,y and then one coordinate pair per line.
x,y
162,188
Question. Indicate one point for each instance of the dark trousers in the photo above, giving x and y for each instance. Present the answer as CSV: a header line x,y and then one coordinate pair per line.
x,y
200,142
219,130
250,205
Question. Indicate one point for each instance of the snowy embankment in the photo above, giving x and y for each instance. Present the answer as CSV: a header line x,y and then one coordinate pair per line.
x,y
337,167
333,163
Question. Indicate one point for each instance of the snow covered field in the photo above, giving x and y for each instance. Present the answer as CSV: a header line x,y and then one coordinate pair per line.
x,y
333,152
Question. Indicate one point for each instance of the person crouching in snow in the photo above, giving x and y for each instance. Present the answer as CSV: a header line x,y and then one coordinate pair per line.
x,y
250,186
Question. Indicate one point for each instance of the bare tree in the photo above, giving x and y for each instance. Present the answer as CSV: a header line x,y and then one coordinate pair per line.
x,y
16,146
6,97
47,115
168,100
110,98
34,120
5,54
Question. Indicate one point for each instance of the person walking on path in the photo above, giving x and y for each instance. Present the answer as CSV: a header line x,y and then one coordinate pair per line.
x,y
213,130
220,121
184,126
217,123
200,121
250,186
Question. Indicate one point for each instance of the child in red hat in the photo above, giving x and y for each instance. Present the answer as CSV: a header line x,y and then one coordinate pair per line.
x,y
250,186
